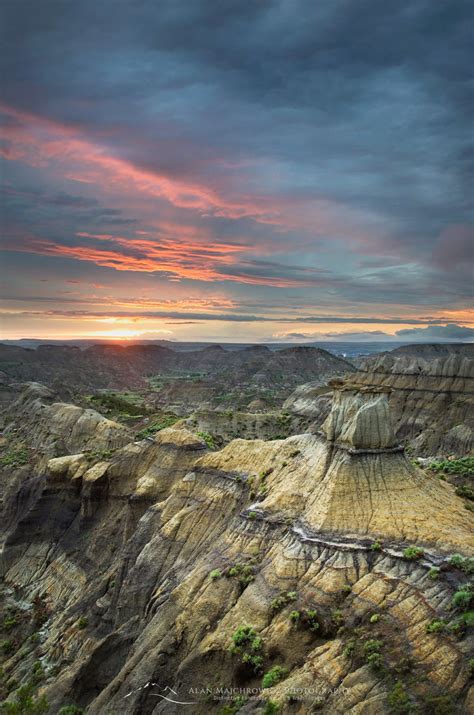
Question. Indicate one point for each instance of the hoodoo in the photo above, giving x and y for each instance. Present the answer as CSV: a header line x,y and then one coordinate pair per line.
x,y
360,418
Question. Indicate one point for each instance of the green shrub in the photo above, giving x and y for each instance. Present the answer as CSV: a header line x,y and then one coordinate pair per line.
x,y
71,710
467,619
37,674
350,648
375,618
283,600
411,553
465,492
399,700
233,707
274,676
7,647
9,622
215,574
244,635
463,597
372,653
433,573
337,617
470,666
295,616
82,622
310,620
247,644
436,626
243,572
463,466
372,646
375,661
207,438
376,545
463,563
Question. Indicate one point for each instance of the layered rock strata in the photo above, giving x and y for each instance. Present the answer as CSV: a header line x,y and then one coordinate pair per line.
x,y
157,557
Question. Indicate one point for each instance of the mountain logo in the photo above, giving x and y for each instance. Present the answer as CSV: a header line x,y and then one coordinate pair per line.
x,y
169,690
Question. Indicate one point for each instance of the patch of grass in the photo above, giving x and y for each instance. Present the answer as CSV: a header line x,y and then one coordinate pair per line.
x,y
433,573
374,618
163,423
376,545
207,438
71,710
100,453
215,574
295,616
15,457
126,404
274,676
412,553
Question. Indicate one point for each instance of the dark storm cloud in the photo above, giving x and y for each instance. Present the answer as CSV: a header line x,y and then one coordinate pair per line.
x,y
322,88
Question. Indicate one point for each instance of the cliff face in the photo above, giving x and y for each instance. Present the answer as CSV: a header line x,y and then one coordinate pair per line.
x,y
432,399
189,569
431,396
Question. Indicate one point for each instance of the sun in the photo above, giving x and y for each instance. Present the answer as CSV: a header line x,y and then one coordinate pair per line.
x,y
122,333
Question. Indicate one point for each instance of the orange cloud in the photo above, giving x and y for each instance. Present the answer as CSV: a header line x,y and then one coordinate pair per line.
x,y
178,260
39,142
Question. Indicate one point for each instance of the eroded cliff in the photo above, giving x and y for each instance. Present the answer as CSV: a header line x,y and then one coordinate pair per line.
x,y
319,566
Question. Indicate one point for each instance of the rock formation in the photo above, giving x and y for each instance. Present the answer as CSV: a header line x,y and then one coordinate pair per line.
x,y
167,565
431,396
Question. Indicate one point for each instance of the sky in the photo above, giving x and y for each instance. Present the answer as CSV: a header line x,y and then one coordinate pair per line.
x,y
254,170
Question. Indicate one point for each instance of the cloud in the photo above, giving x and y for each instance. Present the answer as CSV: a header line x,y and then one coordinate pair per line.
x,y
451,331
280,151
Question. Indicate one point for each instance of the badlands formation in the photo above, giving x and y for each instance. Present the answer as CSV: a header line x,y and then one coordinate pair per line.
x,y
324,572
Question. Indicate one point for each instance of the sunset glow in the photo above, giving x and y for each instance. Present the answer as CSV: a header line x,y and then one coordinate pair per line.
x,y
212,201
